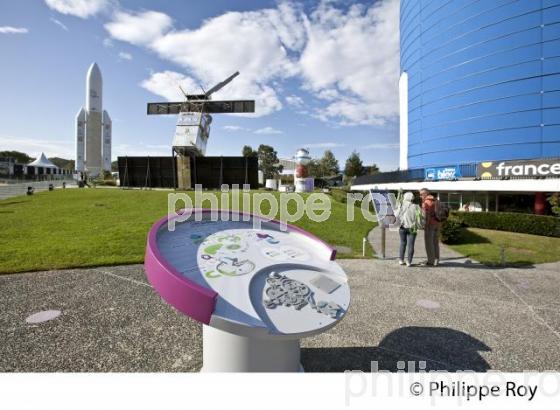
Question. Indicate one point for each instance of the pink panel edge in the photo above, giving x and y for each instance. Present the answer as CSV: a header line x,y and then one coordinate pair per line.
x,y
186,296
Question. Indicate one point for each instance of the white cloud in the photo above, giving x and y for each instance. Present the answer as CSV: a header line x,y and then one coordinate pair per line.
x,y
139,149
107,42
328,94
66,148
139,29
347,57
166,84
268,130
59,23
234,128
352,59
125,56
78,8
381,146
13,30
324,145
34,146
295,101
256,43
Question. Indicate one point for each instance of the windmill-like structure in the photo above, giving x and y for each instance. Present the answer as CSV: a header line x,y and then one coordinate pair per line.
x,y
193,124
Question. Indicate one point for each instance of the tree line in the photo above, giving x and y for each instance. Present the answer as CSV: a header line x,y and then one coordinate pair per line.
x,y
326,166
23,158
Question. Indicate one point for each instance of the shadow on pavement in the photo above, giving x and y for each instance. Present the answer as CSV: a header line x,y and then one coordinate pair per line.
x,y
443,259
465,262
479,265
441,348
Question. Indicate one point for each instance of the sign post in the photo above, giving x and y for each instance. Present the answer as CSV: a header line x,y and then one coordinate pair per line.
x,y
383,241
383,203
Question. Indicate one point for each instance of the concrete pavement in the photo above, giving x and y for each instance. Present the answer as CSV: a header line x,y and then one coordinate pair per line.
x,y
455,317
392,242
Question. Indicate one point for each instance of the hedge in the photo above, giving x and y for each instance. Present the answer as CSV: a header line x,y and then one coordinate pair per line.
x,y
511,222
339,195
450,231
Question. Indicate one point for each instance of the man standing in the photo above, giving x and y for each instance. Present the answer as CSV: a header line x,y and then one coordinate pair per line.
x,y
431,230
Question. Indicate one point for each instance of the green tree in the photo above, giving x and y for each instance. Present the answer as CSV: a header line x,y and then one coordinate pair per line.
x,y
248,151
62,162
268,161
554,201
354,166
21,157
371,170
328,164
314,169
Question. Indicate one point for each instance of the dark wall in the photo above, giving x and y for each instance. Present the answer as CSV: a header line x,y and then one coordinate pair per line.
x,y
133,172
210,172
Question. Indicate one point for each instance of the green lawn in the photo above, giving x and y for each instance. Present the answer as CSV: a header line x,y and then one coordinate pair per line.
x,y
520,249
94,227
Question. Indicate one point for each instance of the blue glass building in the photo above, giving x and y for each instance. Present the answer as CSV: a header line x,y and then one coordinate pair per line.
x,y
480,81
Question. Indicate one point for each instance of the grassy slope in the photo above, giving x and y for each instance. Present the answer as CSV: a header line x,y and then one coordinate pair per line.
x,y
93,227
483,245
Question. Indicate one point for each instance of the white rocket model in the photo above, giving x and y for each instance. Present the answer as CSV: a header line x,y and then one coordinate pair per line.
x,y
93,128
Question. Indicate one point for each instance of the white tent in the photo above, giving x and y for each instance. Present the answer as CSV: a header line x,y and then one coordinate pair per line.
x,y
42,161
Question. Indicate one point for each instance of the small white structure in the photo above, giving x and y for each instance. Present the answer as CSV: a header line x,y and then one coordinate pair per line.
x,y
302,181
271,184
42,167
304,184
93,128
43,162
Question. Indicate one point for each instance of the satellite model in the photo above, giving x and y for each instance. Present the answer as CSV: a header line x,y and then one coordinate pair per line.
x,y
193,125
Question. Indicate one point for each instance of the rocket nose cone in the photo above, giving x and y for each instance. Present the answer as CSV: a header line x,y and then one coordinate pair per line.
x,y
94,71
94,89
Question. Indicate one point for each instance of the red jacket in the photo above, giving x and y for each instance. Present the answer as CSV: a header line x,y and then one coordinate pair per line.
x,y
429,208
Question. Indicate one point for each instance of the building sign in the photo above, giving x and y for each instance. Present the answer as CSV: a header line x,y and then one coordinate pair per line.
x,y
530,168
442,173
384,204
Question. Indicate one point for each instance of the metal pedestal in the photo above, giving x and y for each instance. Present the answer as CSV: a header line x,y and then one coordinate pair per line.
x,y
226,352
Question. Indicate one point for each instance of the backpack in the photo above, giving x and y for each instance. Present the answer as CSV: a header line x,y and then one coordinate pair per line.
x,y
419,221
441,211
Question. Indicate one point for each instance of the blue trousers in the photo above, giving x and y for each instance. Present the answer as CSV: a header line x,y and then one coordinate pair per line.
x,y
407,240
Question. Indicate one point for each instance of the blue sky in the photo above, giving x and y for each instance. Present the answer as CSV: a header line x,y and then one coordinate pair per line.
x,y
324,74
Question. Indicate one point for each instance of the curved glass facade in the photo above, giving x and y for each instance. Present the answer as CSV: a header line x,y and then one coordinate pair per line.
x,y
483,79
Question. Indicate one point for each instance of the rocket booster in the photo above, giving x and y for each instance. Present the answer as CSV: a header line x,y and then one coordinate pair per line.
x,y
80,139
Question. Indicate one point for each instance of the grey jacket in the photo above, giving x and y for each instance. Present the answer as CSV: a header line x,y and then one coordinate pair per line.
x,y
408,215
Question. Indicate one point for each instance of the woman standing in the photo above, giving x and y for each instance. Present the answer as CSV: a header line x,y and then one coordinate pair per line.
x,y
409,216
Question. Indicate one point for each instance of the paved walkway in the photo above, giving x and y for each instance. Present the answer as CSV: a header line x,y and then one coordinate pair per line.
x,y
392,242
11,190
455,317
